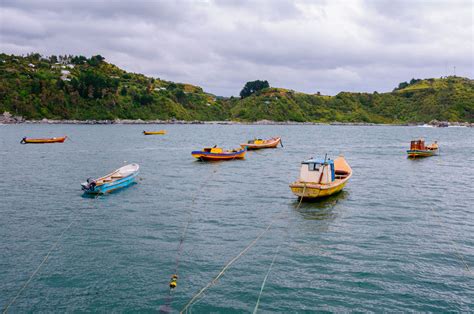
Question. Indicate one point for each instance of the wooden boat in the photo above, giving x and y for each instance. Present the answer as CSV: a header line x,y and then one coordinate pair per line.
x,y
259,143
26,140
320,178
120,178
216,153
419,149
161,132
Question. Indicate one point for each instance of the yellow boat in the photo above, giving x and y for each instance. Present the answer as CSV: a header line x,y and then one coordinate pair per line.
x,y
320,178
161,132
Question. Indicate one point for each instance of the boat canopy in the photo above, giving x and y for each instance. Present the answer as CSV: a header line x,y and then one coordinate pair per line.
x,y
213,150
418,144
317,170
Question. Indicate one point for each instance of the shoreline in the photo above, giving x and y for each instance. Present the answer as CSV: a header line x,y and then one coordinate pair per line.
x,y
8,119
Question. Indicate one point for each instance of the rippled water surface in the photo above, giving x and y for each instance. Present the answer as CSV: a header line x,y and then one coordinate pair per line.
x,y
398,238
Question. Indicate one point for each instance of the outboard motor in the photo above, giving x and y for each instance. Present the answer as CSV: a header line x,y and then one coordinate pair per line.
x,y
90,185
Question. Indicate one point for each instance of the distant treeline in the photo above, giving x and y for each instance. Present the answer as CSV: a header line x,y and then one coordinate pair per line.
x,y
77,87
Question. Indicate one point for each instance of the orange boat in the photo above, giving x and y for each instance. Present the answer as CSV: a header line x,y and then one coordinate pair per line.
x,y
161,132
259,143
26,140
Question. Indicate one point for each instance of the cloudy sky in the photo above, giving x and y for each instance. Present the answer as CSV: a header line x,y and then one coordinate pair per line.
x,y
327,46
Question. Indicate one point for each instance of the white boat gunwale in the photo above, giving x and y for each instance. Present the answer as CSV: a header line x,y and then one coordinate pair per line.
x,y
116,177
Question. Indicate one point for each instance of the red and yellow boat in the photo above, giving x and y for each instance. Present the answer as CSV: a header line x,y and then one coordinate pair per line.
x,y
217,153
259,143
419,149
26,140
161,132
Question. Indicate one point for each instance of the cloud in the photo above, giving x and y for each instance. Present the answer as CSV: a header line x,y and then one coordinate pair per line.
x,y
309,46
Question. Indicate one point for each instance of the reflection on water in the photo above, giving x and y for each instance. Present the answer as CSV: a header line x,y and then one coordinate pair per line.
x,y
320,209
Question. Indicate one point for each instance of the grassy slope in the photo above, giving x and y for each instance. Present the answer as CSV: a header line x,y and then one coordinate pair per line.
x,y
100,91
450,99
103,91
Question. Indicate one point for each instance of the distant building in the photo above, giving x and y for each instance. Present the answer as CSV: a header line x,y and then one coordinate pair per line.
x,y
65,75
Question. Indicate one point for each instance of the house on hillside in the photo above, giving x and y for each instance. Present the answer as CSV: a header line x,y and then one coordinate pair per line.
x,y
65,75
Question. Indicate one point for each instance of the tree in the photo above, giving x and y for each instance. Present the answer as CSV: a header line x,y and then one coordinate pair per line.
x,y
79,60
252,87
402,85
96,60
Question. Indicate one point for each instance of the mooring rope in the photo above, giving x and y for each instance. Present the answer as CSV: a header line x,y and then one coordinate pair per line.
x,y
5,310
233,260
274,258
265,279
169,299
226,266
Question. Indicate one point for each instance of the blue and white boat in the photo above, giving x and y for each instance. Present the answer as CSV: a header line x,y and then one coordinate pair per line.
x,y
120,178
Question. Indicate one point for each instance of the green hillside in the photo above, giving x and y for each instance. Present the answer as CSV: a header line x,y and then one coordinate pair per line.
x,y
75,87
446,99
80,88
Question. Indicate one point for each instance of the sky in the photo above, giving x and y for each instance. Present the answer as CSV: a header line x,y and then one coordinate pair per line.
x,y
309,46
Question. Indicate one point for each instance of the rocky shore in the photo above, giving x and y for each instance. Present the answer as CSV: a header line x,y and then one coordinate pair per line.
x,y
7,118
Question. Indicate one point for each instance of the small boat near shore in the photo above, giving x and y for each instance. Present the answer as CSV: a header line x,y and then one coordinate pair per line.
x,y
161,132
259,143
26,140
419,149
120,178
321,178
217,153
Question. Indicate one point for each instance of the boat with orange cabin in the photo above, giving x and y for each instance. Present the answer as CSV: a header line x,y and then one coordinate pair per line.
x,y
259,143
419,149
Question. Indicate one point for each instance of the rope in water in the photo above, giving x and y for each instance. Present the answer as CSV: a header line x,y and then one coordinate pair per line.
x,y
265,279
174,277
273,261
211,283
233,260
5,310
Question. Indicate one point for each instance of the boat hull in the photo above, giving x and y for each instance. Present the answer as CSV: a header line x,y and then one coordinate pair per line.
x,y
272,144
414,153
112,186
312,191
207,156
43,140
154,133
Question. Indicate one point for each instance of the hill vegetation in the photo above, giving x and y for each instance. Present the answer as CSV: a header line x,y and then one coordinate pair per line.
x,y
76,87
